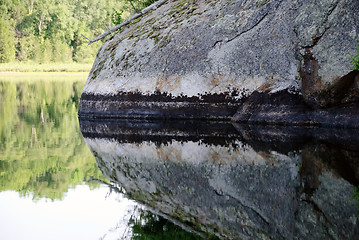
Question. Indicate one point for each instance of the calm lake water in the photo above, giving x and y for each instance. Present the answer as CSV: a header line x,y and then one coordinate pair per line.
x,y
50,184
65,179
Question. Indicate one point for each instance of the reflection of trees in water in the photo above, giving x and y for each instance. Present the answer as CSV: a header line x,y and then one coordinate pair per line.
x,y
356,197
151,226
42,151
113,187
140,223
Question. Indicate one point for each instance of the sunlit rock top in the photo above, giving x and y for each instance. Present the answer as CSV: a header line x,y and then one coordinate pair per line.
x,y
199,47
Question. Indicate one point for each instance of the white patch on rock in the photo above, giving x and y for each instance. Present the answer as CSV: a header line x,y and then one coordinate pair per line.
x,y
191,84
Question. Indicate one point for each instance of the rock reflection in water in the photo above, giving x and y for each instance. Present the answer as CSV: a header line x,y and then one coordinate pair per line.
x,y
237,182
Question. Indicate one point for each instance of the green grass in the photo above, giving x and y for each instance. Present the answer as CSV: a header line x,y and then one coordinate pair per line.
x,y
47,67
43,76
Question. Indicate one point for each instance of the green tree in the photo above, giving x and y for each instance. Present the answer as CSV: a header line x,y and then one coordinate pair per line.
x,y
149,226
85,53
136,5
61,51
355,60
30,5
7,48
12,10
42,14
61,22
43,51
26,48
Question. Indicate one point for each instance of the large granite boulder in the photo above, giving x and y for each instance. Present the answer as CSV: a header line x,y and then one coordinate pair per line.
x,y
204,58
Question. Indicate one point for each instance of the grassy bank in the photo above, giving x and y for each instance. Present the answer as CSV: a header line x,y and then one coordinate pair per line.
x,y
48,67
43,76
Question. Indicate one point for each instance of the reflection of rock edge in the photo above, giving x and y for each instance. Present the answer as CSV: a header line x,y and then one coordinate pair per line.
x,y
115,168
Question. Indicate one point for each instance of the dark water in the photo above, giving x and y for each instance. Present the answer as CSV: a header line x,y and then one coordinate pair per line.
x,y
166,180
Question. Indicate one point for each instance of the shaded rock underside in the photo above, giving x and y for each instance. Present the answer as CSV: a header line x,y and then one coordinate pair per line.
x,y
280,108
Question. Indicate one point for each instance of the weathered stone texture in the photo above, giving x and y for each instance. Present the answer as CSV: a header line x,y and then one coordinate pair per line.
x,y
196,48
254,183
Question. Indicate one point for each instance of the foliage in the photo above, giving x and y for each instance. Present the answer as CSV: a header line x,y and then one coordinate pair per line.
x,y
136,5
42,151
7,49
149,226
44,31
116,16
147,3
355,196
355,60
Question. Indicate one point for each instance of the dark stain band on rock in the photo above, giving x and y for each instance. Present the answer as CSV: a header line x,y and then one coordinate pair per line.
x,y
158,106
280,108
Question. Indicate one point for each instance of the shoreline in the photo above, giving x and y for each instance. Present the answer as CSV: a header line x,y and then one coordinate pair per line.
x,y
43,76
47,67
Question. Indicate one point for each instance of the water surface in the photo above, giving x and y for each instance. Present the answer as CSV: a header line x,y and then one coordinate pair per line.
x,y
235,181
50,184
165,180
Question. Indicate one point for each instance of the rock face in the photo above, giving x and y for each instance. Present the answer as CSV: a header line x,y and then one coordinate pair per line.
x,y
204,58
254,183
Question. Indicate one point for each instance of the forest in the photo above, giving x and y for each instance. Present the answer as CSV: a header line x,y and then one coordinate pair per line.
x,y
43,31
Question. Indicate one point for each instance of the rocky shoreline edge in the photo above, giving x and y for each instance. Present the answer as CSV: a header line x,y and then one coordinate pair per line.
x,y
264,108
